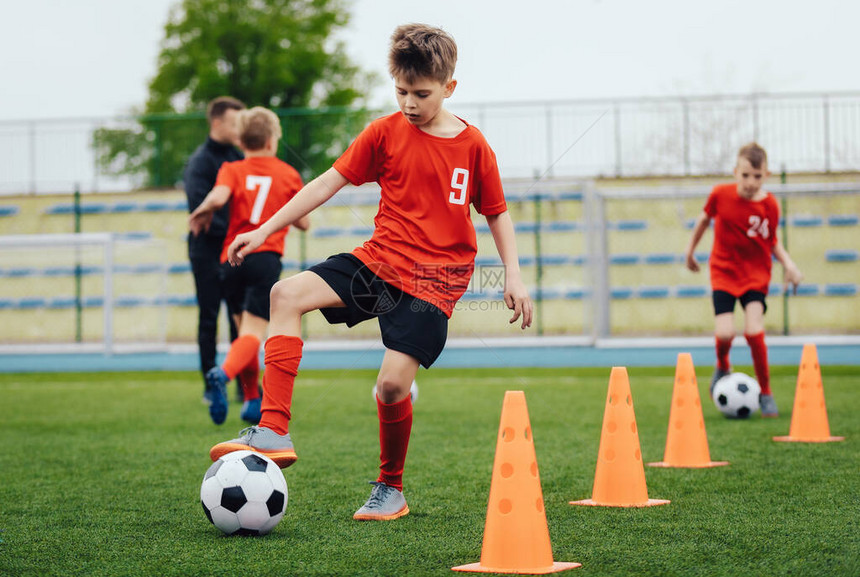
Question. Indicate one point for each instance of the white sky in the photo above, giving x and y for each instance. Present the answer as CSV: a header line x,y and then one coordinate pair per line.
x,y
93,58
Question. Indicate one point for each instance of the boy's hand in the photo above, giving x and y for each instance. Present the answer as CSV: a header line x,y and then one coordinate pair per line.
x,y
199,221
692,263
517,299
793,276
244,244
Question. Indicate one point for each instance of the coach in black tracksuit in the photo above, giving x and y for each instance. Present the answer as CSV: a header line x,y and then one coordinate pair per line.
x,y
204,251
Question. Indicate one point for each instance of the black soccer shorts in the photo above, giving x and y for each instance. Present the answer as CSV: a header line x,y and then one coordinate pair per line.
x,y
407,324
247,287
724,302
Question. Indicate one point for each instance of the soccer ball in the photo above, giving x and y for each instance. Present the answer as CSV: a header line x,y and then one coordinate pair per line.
x,y
736,395
244,493
413,392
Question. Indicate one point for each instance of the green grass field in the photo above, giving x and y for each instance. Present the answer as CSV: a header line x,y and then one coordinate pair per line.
x,y
100,475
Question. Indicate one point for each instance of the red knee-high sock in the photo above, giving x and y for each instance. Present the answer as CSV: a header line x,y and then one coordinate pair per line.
x,y
395,426
759,356
243,351
283,355
249,377
723,348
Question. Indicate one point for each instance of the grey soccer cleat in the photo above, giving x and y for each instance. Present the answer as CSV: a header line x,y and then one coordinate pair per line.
x,y
718,374
263,440
385,504
768,406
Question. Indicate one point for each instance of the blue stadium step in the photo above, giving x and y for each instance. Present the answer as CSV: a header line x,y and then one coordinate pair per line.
x,y
841,255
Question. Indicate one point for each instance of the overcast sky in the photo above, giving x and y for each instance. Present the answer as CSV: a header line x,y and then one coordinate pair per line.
x,y
93,58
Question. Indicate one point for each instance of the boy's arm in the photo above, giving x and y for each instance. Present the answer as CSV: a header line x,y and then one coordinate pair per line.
x,y
312,195
698,230
516,296
201,218
792,275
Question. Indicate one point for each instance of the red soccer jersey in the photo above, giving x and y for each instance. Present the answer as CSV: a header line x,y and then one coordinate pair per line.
x,y
744,238
259,187
424,240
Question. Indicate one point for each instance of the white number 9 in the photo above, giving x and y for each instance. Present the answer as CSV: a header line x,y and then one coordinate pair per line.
x,y
459,182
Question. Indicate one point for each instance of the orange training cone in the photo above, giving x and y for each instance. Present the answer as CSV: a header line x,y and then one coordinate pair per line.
x,y
686,441
516,536
619,480
809,417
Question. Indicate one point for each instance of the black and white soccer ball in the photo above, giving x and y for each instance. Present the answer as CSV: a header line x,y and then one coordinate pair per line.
x,y
737,395
413,392
244,493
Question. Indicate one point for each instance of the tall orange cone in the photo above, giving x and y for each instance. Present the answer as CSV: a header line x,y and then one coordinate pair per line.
x,y
619,480
809,422
686,441
516,535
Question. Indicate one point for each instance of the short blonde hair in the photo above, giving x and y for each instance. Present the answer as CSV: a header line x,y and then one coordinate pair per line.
x,y
422,51
256,126
754,153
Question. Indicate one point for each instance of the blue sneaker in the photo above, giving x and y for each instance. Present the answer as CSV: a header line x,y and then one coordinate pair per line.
x,y
251,411
216,390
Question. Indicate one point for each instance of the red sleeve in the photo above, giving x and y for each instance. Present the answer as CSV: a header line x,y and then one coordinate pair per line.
x,y
489,198
227,176
711,203
361,162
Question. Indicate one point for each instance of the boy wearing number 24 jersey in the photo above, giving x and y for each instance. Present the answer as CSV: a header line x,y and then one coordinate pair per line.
x,y
431,167
746,219
256,188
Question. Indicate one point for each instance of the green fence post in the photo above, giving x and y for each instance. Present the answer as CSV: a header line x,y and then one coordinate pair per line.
x,y
303,264
783,179
78,303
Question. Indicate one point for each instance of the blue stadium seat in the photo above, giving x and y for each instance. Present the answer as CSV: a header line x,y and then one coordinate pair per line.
x,y
157,206
327,231
180,205
548,294
701,257
629,225
482,228
562,226
58,271
8,210
653,292
130,301
525,227
147,268
21,271
840,290
843,220
179,268
841,255
661,258
574,195
62,303
182,300
621,293
489,261
124,207
63,208
360,231
134,235
7,304
555,259
691,291
624,259
807,290
32,303
576,293
577,259
290,265
807,221
93,302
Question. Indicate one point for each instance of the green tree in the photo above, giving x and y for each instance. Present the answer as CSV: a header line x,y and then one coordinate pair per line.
x,y
275,53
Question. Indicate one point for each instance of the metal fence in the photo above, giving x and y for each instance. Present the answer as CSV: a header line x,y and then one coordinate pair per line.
x,y
577,138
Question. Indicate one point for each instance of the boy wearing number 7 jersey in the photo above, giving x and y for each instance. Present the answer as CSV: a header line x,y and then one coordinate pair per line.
x,y
256,188
746,219
431,167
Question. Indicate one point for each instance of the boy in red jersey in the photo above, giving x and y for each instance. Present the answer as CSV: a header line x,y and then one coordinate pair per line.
x,y
256,188
430,165
746,218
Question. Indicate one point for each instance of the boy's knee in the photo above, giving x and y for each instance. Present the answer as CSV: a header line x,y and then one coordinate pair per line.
x,y
724,334
284,293
391,389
